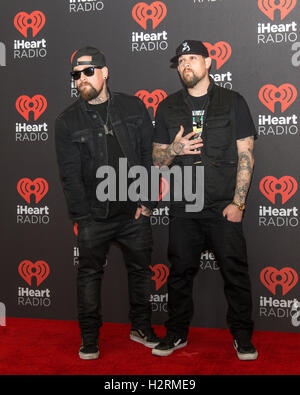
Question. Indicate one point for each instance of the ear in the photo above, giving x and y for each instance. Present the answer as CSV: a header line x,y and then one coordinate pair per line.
x,y
208,63
105,72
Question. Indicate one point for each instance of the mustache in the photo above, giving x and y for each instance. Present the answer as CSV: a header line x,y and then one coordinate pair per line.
x,y
84,84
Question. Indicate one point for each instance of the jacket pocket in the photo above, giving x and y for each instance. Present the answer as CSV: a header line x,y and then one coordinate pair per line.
x,y
174,127
84,138
218,134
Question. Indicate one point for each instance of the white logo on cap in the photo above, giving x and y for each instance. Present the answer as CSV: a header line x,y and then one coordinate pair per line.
x,y
185,47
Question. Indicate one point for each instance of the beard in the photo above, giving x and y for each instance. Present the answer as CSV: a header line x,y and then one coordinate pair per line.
x,y
190,81
88,92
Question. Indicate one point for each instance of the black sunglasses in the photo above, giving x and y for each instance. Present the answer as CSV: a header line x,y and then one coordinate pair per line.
x,y
89,71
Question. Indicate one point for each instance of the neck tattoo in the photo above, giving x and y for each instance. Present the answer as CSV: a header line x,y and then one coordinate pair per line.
x,y
99,99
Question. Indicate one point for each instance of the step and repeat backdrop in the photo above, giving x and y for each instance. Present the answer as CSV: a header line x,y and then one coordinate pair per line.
x,y
255,47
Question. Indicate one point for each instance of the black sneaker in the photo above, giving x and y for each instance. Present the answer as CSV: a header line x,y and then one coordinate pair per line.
x,y
245,350
88,352
169,344
147,337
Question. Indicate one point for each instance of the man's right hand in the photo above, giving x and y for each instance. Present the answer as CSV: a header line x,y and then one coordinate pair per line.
x,y
186,145
163,154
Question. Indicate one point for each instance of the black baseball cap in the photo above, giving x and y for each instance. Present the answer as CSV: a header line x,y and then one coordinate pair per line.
x,y
190,47
97,56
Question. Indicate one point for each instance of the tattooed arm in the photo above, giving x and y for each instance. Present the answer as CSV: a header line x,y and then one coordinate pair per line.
x,y
244,175
163,154
245,169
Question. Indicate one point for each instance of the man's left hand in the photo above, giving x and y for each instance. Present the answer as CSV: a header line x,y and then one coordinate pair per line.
x,y
233,213
142,211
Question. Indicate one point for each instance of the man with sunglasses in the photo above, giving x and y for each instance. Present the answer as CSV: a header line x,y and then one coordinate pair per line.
x,y
99,129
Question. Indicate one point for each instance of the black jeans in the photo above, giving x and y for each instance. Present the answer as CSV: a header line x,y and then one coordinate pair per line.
x,y
135,239
187,239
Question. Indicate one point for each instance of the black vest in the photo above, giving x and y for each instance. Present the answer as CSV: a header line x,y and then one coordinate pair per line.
x,y
219,153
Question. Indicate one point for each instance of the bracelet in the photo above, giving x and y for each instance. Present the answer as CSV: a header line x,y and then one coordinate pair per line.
x,y
241,206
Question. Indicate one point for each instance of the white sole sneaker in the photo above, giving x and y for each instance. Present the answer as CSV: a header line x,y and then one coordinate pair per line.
x,y
89,356
166,353
141,341
246,357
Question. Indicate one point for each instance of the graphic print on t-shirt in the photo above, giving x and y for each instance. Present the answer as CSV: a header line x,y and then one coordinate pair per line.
x,y
198,117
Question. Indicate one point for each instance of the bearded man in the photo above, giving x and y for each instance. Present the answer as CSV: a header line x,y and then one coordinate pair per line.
x,y
209,126
97,131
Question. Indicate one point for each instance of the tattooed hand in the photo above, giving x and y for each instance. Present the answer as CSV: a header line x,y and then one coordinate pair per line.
x,y
163,154
184,145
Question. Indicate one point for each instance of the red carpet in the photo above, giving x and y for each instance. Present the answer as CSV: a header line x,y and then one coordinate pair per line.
x,y
30,346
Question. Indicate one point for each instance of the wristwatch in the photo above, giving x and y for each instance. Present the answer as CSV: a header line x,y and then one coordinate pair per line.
x,y
240,206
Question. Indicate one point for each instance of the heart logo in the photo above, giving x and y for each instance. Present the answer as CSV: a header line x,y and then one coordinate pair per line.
x,y
156,12
163,188
161,274
23,21
220,52
151,100
268,7
39,187
37,105
286,94
286,277
286,186
39,269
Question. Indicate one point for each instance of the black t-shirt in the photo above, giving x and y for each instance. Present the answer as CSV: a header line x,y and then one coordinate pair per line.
x,y
199,109
117,209
244,125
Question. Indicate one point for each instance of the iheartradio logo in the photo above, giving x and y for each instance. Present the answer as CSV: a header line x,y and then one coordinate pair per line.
x,y
156,12
151,100
37,104
286,187
161,274
268,7
40,270
72,57
269,95
23,21
39,188
287,278
220,52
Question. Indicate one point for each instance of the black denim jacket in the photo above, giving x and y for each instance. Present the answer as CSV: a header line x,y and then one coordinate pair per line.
x,y
81,149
